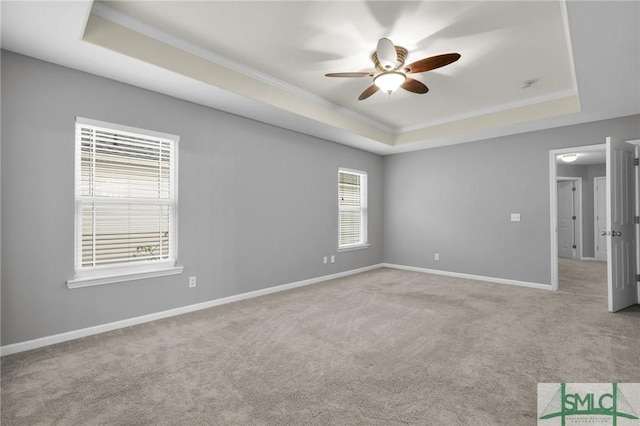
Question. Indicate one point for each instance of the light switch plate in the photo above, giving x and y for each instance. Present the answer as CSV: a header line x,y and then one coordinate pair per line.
x,y
515,217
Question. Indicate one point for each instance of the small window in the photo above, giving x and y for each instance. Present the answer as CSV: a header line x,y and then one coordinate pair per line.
x,y
126,200
352,209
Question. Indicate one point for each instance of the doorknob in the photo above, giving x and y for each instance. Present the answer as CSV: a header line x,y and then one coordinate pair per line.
x,y
616,233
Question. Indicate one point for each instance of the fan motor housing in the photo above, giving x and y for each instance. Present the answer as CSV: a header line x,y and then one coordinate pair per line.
x,y
401,54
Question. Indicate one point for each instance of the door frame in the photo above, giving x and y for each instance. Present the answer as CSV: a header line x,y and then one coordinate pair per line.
x,y
596,231
636,142
553,205
577,182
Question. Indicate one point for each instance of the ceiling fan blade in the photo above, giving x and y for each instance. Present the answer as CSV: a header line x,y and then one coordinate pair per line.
x,y
386,52
350,74
368,92
414,86
428,64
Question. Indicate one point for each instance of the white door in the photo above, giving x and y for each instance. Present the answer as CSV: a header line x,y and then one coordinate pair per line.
x,y
600,210
621,259
566,221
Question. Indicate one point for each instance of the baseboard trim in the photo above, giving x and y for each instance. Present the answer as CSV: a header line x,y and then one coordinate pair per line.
x,y
470,276
89,331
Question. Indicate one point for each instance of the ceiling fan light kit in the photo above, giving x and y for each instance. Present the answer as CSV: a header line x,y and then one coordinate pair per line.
x,y
388,60
389,81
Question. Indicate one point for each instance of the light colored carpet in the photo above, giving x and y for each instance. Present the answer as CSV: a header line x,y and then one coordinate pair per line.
x,y
385,347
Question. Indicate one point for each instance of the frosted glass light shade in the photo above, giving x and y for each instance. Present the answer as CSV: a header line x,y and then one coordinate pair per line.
x,y
569,158
389,81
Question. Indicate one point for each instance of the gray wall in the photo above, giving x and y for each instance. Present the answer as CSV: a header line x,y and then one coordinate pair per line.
x,y
587,173
457,201
257,203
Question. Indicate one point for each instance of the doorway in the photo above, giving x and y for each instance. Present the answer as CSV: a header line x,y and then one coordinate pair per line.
x,y
589,162
622,233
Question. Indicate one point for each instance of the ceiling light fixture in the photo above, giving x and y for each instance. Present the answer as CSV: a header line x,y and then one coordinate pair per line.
x,y
389,81
569,158
391,72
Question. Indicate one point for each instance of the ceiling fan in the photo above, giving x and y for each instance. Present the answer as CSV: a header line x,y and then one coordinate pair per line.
x,y
391,73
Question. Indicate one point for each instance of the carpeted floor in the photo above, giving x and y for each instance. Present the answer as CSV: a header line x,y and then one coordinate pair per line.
x,y
385,347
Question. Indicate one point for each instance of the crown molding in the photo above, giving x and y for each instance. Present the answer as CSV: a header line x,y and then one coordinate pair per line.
x,y
104,11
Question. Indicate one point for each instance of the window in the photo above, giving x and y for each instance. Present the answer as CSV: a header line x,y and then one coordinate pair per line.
x,y
352,209
126,203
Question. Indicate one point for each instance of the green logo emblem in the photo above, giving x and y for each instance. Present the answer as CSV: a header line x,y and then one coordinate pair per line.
x,y
609,406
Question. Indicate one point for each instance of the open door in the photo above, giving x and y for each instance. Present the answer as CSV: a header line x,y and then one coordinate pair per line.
x,y
621,259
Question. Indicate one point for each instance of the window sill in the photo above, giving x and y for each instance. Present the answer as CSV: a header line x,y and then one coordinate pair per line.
x,y
354,247
90,281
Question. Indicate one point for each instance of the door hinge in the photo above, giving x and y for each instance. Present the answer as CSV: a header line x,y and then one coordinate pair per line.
x,y
575,246
573,217
636,161
573,189
638,278
636,220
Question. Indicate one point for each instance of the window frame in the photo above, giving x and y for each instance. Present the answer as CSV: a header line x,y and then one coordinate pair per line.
x,y
364,210
123,271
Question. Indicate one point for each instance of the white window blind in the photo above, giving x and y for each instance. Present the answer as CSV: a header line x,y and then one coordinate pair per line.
x,y
126,197
352,208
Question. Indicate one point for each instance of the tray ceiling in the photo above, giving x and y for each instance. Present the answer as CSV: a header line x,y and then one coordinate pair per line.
x,y
266,60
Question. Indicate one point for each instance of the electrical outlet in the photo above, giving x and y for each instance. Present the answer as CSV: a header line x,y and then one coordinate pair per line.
x,y
192,282
515,217
333,258
436,256
325,260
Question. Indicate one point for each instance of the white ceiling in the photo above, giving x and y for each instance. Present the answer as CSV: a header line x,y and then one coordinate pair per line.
x,y
266,60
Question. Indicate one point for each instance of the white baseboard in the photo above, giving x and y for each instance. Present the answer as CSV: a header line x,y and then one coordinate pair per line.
x,y
470,277
588,258
89,331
